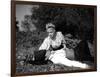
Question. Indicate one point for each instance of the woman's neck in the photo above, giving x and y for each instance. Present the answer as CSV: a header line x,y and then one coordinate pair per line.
x,y
54,36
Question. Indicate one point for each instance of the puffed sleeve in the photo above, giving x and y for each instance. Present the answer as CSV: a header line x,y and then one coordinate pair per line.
x,y
44,45
62,37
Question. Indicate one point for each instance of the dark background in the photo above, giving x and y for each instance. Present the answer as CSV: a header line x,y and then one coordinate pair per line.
x,y
73,22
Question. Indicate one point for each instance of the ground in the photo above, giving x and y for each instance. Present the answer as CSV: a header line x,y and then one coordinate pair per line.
x,y
27,46
44,68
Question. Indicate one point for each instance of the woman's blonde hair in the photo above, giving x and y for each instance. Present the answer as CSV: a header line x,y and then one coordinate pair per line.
x,y
50,25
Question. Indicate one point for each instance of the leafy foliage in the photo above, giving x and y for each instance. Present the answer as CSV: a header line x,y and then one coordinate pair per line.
x,y
77,21
74,20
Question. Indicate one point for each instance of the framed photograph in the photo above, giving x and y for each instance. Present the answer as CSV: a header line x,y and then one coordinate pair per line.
x,y
52,38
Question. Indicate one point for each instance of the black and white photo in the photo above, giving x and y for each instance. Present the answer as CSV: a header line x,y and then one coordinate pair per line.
x,y
54,38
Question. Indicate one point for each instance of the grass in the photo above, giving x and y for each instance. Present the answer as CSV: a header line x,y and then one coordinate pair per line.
x,y
26,46
44,68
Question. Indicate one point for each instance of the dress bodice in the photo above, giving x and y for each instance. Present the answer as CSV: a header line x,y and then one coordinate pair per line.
x,y
56,42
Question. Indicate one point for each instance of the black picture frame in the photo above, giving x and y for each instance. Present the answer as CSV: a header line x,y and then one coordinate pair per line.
x,y
13,36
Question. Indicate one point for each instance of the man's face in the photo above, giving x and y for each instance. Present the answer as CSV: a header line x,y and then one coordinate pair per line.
x,y
51,32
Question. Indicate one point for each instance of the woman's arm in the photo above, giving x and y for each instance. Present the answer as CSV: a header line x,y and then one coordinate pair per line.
x,y
63,41
64,47
44,45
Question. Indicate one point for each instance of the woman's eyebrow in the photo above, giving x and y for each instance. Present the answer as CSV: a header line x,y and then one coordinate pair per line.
x,y
49,32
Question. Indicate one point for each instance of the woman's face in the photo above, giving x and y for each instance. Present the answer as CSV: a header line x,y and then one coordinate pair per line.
x,y
51,32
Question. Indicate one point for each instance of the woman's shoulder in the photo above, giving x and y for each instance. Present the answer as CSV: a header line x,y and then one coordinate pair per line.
x,y
46,38
59,33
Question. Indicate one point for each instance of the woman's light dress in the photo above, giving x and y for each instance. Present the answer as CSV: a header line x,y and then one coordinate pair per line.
x,y
59,56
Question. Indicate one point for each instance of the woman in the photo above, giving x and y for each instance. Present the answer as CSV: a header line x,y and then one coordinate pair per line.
x,y
55,45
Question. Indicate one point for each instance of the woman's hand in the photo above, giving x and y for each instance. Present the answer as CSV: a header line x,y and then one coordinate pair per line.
x,y
64,47
47,54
